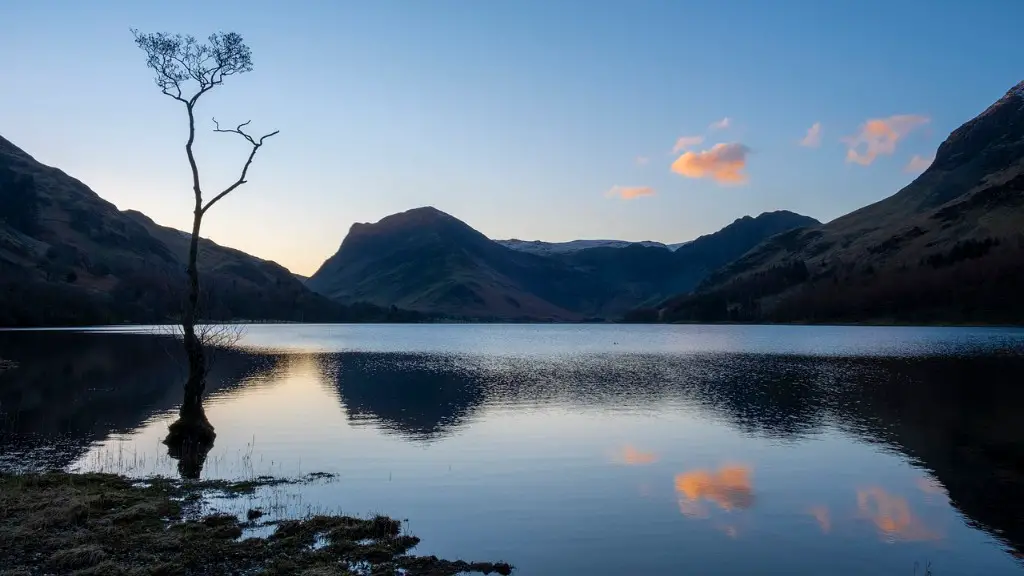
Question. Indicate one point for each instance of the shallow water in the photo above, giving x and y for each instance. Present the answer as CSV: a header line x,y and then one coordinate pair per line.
x,y
580,449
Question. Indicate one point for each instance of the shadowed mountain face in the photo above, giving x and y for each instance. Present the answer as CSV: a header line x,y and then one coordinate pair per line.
x,y
946,248
426,260
68,257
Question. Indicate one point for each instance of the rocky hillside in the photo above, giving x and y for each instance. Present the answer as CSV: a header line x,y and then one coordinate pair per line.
x,y
68,257
946,248
429,261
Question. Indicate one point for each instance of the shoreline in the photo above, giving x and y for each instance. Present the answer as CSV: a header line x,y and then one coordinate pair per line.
x,y
106,524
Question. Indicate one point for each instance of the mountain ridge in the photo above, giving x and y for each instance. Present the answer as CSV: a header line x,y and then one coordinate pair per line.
x,y
424,259
946,247
69,257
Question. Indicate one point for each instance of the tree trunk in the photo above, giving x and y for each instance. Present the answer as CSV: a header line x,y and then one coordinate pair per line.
x,y
196,383
192,427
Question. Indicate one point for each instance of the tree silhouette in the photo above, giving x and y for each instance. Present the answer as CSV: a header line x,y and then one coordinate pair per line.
x,y
186,69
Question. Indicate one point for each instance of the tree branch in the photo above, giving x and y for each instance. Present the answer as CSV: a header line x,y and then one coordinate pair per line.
x,y
256,144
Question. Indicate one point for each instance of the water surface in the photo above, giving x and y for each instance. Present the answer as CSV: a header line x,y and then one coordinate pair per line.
x,y
581,449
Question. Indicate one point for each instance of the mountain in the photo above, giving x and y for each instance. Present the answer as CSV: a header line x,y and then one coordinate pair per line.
x,y
946,248
550,248
429,261
68,257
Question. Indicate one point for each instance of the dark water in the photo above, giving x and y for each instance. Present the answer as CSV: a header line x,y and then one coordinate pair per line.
x,y
582,449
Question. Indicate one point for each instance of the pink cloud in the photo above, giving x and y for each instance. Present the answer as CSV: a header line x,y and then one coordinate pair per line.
x,y
879,136
685,142
723,163
813,137
642,160
919,163
629,192
721,124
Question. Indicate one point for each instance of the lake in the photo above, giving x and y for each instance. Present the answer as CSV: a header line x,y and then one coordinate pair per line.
x,y
579,449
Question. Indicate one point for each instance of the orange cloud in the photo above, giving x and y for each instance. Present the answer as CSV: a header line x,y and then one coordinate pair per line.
x,y
685,142
633,457
879,136
642,160
730,488
723,163
892,516
721,124
813,137
919,163
821,514
629,192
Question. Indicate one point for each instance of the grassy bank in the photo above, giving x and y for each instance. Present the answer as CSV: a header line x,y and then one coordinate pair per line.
x,y
107,525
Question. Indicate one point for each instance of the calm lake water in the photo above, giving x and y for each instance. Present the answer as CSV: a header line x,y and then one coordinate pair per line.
x,y
590,449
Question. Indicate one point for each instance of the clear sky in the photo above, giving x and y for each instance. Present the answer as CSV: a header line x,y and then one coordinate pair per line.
x,y
546,119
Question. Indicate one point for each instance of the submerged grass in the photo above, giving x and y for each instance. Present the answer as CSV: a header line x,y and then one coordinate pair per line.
x,y
107,525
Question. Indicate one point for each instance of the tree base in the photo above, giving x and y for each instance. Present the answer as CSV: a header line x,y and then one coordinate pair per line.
x,y
191,430
189,439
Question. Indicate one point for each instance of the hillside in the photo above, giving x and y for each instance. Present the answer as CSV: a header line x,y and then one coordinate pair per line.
x,y
946,248
429,261
68,257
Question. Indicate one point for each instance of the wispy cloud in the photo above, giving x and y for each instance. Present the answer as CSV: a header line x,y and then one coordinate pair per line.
x,y
879,136
642,160
723,163
813,137
685,142
629,192
721,124
919,163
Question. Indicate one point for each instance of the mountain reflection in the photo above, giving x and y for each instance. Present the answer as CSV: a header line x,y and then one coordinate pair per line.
x,y
71,389
957,418
729,487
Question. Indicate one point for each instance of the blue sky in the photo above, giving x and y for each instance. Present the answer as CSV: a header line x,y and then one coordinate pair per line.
x,y
520,118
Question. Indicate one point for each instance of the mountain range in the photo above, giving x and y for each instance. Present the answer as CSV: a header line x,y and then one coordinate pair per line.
x,y
426,260
550,248
949,247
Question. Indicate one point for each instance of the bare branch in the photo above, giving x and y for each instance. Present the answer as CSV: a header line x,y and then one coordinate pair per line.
x,y
256,144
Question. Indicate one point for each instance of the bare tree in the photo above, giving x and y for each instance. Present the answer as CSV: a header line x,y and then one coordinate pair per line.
x,y
186,69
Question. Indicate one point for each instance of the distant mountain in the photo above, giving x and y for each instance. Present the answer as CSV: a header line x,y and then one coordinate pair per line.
x,y
948,247
68,257
429,261
550,248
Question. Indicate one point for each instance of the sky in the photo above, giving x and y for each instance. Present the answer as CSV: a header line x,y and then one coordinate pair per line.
x,y
534,119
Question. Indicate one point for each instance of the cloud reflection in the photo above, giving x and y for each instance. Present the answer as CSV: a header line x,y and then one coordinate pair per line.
x,y
631,456
824,518
892,516
730,488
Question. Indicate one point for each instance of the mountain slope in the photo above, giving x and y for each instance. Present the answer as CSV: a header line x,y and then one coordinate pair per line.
x,y
68,257
948,247
426,260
